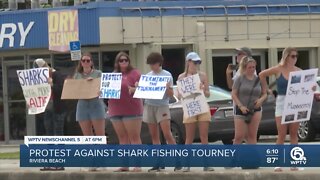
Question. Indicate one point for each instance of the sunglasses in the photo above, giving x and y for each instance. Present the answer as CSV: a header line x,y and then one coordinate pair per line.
x,y
123,60
294,56
86,60
196,62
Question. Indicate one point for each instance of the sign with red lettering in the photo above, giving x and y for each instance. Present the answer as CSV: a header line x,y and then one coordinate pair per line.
x,y
36,89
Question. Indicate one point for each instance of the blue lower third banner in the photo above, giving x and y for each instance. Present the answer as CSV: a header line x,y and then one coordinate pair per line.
x,y
169,155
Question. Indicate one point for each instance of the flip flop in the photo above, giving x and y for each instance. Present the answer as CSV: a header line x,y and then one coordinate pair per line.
x,y
52,169
122,169
136,169
277,169
296,169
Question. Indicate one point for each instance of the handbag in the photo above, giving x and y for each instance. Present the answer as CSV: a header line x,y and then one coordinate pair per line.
x,y
251,111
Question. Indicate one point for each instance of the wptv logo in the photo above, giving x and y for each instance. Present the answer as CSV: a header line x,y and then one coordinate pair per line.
x,y
297,156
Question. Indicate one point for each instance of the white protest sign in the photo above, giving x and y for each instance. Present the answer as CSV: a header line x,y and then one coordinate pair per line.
x,y
65,140
189,85
195,106
35,87
299,97
151,87
110,86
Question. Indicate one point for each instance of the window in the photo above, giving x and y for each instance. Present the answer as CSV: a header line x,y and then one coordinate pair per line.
x,y
63,63
108,59
1,107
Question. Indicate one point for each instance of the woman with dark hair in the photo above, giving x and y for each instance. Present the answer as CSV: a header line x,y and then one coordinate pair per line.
x,y
90,112
126,113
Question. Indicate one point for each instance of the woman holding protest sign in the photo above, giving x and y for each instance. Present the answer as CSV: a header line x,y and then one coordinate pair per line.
x,y
90,112
55,112
282,71
193,62
248,96
126,113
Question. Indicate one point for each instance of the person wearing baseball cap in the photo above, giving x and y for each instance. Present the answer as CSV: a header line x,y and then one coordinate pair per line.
x,y
193,62
241,52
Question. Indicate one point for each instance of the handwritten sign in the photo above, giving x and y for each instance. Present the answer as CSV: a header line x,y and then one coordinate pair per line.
x,y
110,86
63,27
195,106
80,89
299,97
189,85
151,87
35,87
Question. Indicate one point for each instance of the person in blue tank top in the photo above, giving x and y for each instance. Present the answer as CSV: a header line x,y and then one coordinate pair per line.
x,y
282,71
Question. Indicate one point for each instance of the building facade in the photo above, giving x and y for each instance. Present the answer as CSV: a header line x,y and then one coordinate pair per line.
x,y
174,28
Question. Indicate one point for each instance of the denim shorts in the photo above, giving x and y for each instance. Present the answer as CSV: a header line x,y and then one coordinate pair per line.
x,y
90,109
125,118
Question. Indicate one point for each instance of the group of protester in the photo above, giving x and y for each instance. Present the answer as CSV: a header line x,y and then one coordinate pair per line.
x,y
249,91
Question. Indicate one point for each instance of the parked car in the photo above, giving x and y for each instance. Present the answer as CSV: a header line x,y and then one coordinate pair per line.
x,y
309,129
221,125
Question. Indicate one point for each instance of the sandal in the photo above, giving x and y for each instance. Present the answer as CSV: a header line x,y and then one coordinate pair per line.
x,y
52,169
277,169
296,169
136,169
122,169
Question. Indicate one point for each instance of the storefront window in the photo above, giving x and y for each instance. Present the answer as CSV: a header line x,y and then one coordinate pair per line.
x,y
16,103
108,59
34,57
303,59
1,107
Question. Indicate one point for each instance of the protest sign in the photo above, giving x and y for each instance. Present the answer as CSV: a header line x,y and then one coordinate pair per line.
x,y
151,87
299,97
189,85
110,86
195,106
35,87
80,88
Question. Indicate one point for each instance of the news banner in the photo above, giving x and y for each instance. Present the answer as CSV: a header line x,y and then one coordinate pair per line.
x,y
92,151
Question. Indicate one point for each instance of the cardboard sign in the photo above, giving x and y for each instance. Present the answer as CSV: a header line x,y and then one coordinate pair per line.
x,y
151,87
299,97
35,87
80,89
194,106
110,86
189,85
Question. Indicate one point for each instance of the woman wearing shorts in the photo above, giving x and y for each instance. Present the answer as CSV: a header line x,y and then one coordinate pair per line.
x,y
193,62
248,96
126,113
282,71
90,112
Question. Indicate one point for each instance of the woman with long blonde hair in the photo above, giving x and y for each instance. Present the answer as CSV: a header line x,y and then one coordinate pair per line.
x,y
281,71
248,96
193,62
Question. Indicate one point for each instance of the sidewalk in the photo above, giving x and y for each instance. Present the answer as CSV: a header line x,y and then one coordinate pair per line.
x,y
9,148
